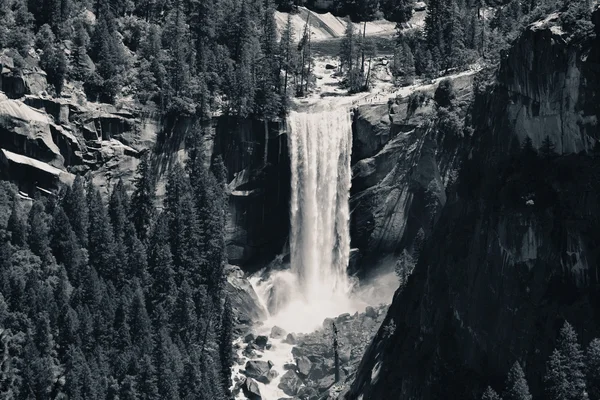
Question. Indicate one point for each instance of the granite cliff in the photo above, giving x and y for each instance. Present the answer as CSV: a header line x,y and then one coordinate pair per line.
x,y
514,252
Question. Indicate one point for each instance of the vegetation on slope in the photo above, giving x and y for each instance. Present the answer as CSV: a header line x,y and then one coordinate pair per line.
x,y
117,301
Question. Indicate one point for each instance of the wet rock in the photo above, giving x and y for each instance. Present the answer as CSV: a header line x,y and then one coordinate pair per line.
x,y
325,383
249,338
289,366
290,383
370,312
272,374
330,66
319,371
261,341
277,332
258,370
306,393
251,389
291,338
244,301
304,365
345,354
342,318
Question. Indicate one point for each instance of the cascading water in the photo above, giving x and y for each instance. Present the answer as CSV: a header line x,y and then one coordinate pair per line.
x,y
317,285
320,147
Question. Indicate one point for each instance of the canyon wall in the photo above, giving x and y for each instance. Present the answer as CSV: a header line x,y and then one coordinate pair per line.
x,y
514,252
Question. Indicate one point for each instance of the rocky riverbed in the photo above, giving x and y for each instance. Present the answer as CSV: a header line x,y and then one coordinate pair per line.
x,y
273,364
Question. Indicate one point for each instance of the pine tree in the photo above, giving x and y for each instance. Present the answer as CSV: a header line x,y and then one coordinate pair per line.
x,y
146,378
190,386
76,208
16,226
176,37
398,10
65,247
137,258
348,47
516,387
102,246
52,59
184,320
142,199
166,354
81,64
267,97
548,149
287,59
490,394
161,266
107,53
140,323
593,369
565,377
38,233
528,150
225,341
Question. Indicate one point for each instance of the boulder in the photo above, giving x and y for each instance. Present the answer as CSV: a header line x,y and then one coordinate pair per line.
x,y
370,312
330,66
420,6
319,371
291,338
272,374
290,383
304,365
258,370
325,383
249,338
244,300
251,390
306,393
277,332
345,353
261,341
288,366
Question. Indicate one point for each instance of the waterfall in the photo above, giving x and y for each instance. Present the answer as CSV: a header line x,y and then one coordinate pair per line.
x,y
320,147
316,285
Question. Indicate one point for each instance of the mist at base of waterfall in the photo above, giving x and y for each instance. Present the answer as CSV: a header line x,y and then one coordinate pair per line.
x,y
289,309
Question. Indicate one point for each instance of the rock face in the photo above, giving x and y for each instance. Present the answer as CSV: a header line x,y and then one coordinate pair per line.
x,y
258,370
290,383
244,300
511,256
400,169
259,188
550,88
251,389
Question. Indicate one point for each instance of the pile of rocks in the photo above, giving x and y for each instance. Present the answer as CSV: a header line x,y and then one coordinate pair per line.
x,y
312,374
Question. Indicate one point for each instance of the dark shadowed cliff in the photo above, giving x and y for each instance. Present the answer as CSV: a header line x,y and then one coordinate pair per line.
x,y
514,252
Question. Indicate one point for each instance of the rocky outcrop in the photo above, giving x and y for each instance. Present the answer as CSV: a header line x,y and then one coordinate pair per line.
x,y
251,390
401,166
244,300
513,253
258,370
290,383
17,82
548,84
